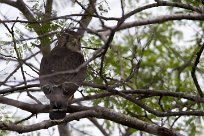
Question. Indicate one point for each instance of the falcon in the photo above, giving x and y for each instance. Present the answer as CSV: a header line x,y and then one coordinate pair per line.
x,y
58,77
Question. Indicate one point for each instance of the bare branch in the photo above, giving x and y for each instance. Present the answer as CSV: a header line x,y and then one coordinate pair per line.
x,y
21,6
198,55
6,91
98,112
95,122
20,121
33,108
9,2
163,3
48,9
86,18
11,74
149,92
159,20
64,130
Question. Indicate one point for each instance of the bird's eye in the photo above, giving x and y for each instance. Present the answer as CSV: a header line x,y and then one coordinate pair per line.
x,y
47,89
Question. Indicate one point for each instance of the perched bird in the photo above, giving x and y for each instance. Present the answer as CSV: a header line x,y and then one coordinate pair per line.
x,y
56,82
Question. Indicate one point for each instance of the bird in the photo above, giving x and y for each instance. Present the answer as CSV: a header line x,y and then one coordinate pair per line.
x,y
56,80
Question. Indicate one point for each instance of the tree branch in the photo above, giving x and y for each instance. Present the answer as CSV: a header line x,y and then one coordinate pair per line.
x,y
33,108
21,6
64,130
48,9
149,92
95,122
198,55
159,20
161,4
6,91
97,112
87,16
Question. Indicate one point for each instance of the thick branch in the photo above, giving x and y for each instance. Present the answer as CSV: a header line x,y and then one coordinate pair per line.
x,y
86,18
98,113
33,108
21,6
9,2
63,130
48,9
159,20
163,3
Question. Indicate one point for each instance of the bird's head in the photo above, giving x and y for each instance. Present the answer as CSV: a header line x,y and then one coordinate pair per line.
x,y
69,39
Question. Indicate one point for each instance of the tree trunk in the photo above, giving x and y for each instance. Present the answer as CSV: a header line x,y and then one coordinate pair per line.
x,y
64,130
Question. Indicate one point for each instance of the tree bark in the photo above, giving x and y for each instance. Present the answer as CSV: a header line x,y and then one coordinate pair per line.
x,y
64,130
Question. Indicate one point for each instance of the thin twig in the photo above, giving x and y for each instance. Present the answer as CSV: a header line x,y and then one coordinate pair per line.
x,y
193,71
95,122
25,119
